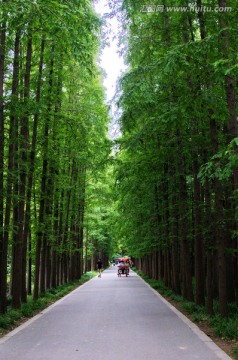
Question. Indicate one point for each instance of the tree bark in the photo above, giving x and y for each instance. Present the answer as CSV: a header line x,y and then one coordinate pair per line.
x,y
220,236
54,173
12,152
45,181
20,188
85,267
174,232
39,282
24,146
3,242
185,250
32,156
198,238
79,260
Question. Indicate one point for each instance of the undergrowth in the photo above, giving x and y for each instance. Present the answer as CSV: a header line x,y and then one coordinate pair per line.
x,y
226,328
32,307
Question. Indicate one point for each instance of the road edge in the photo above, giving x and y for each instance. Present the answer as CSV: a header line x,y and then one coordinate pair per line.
x,y
203,337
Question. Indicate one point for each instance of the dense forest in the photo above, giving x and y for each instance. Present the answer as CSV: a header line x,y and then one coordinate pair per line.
x,y
177,167
165,192
54,145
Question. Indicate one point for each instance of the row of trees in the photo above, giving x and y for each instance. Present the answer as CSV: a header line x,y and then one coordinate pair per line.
x,y
53,142
177,165
99,237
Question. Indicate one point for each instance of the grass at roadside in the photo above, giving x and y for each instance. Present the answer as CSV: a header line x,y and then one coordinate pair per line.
x,y
224,328
31,308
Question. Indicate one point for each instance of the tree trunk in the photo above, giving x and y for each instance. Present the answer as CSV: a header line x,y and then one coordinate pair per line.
x,y
198,237
207,199
60,238
79,262
32,156
3,242
174,232
17,243
64,256
210,241
220,236
201,20
53,190
185,250
167,265
41,241
29,271
48,222
85,267
55,256
45,181
23,169
12,152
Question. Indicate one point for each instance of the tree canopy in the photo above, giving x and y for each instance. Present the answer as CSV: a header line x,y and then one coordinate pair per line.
x,y
164,192
54,142
177,165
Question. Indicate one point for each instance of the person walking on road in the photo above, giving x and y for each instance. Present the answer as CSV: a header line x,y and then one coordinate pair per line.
x,y
99,266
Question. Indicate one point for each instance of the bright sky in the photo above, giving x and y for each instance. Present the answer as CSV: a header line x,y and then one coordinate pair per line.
x,y
113,65
110,60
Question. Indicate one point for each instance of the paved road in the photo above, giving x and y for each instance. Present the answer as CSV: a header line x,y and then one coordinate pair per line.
x,y
110,318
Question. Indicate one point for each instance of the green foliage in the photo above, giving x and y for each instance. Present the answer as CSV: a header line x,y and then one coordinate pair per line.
x,y
99,212
227,328
222,164
235,352
27,310
5,321
176,163
61,158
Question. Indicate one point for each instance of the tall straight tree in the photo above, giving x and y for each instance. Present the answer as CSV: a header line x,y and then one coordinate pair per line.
x,y
3,244
27,229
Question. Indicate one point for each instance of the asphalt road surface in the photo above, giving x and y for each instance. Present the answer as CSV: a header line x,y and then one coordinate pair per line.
x,y
110,318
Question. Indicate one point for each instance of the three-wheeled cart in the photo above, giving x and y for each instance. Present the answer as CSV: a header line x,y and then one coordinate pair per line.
x,y
123,267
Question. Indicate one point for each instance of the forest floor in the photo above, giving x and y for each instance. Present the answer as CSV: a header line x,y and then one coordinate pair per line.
x,y
226,345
